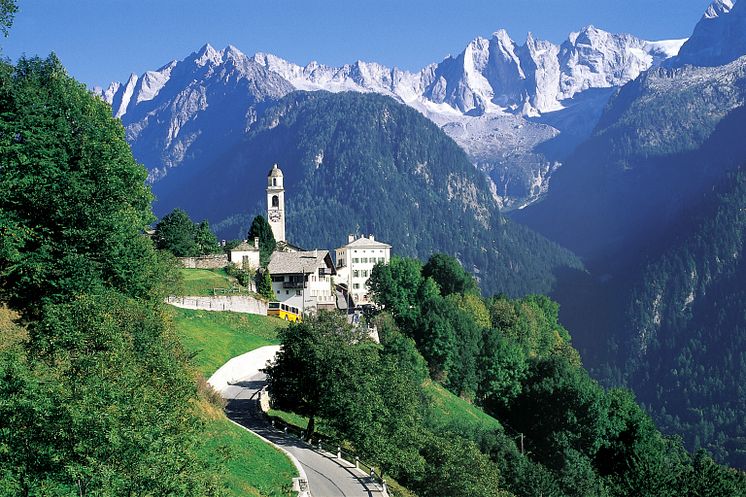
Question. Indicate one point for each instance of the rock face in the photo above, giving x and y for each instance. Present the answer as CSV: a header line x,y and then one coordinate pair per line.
x,y
718,38
499,100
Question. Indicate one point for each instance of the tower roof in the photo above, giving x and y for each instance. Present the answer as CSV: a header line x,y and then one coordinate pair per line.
x,y
275,172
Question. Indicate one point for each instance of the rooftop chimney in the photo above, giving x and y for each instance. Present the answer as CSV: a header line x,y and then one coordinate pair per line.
x,y
350,238
315,252
372,238
256,242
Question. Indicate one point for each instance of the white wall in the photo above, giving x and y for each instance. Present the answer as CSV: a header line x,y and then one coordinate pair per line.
x,y
252,257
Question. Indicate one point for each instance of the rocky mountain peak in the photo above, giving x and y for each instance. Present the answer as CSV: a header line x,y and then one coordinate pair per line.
x,y
718,8
718,38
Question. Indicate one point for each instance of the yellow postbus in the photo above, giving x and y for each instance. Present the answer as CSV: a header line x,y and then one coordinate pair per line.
x,y
283,311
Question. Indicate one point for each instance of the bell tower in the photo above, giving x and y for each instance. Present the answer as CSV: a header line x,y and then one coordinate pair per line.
x,y
276,203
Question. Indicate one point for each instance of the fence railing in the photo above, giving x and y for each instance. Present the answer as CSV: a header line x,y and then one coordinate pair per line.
x,y
323,443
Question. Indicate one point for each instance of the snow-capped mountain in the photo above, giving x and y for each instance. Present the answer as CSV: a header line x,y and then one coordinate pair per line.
x,y
718,38
499,100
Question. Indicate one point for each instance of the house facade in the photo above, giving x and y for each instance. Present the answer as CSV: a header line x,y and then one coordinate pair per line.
x,y
354,264
246,255
304,280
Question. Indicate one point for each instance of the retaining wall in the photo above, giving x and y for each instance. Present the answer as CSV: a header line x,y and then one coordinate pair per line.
x,y
235,303
205,261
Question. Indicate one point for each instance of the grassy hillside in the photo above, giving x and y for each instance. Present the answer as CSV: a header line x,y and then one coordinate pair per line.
x,y
254,468
449,410
205,281
216,337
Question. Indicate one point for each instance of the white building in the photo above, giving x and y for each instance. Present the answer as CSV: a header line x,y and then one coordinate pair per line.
x,y
355,262
303,280
246,255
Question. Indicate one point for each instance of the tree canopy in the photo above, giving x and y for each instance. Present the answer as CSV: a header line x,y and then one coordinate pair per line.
x,y
261,229
96,396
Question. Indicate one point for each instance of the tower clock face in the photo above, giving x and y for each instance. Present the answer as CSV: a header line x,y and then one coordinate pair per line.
x,y
275,215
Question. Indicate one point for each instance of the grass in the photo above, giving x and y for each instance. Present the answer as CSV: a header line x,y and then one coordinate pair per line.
x,y
251,466
216,337
449,410
200,282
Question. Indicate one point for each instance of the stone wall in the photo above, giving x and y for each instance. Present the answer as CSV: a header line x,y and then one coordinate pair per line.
x,y
205,261
235,303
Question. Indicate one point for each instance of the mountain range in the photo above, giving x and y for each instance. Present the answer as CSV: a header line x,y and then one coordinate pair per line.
x,y
643,142
515,109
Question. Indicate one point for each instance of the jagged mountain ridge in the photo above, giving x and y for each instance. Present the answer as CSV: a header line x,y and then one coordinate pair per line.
x,y
718,38
497,99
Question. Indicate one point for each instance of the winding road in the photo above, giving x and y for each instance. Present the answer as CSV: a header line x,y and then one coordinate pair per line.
x,y
239,382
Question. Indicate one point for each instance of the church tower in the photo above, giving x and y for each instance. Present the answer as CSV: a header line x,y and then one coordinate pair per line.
x,y
276,203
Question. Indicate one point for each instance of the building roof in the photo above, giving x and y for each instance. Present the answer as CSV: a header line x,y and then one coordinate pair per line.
x,y
364,242
244,247
275,172
297,262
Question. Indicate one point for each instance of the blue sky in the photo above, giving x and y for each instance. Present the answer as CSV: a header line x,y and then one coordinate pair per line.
x,y
104,40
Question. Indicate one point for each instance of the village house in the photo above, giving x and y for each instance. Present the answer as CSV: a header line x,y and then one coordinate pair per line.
x,y
355,263
246,255
308,279
304,280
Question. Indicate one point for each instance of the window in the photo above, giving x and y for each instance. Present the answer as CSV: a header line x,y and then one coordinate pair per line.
x,y
356,286
355,260
278,279
364,273
381,259
356,274
297,292
274,181
364,260
278,292
275,201
287,292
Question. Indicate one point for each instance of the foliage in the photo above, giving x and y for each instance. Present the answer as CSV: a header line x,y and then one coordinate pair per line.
x,y
175,233
261,229
207,242
97,398
8,9
95,402
73,201
241,274
457,468
450,276
179,235
578,439
682,335
328,369
264,285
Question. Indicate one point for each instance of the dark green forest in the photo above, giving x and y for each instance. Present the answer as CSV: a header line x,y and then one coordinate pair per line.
x,y
561,433
686,328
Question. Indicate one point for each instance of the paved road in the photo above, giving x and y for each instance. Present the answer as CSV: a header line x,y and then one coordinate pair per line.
x,y
327,476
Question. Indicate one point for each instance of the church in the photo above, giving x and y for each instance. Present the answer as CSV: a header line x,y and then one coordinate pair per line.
x,y
308,279
300,278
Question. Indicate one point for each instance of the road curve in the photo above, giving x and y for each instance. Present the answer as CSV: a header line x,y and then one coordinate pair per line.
x,y
239,381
